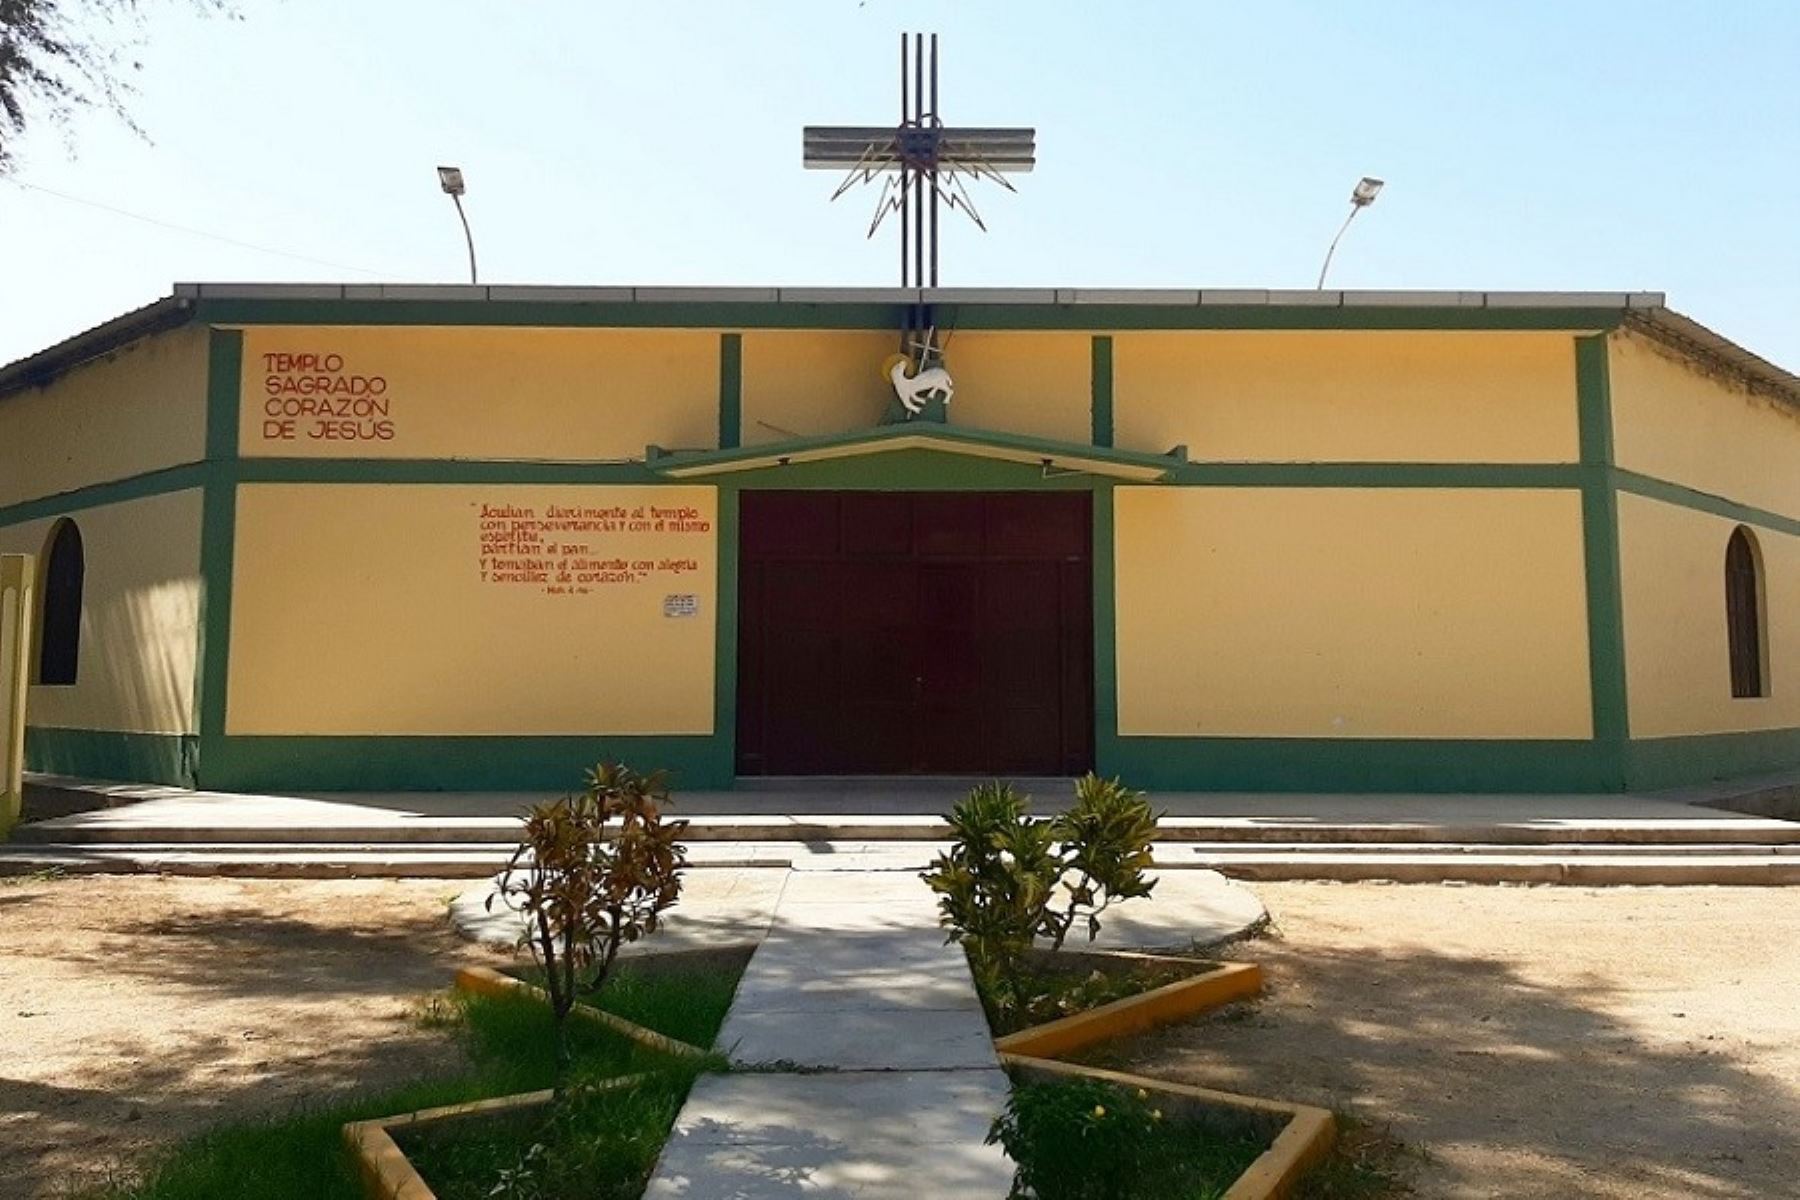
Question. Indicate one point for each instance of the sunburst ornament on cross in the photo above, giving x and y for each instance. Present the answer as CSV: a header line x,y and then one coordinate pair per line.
x,y
923,163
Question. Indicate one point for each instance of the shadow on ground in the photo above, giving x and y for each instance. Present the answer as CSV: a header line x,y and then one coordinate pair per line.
x,y
1512,1087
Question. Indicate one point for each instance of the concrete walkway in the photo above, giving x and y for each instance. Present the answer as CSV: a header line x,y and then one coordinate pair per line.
x,y
854,986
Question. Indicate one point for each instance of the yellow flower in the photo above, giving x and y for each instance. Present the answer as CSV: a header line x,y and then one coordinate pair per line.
x,y
1142,1094
1156,1114
1099,1110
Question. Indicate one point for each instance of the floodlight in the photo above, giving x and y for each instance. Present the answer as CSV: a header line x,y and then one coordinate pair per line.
x,y
1361,196
451,180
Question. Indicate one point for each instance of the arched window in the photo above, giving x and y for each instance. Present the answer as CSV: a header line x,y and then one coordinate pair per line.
x,y
59,629
1744,615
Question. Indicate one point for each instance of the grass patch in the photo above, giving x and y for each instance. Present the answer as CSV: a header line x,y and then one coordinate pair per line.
x,y
683,996
1053,984
1084,1139
610,1139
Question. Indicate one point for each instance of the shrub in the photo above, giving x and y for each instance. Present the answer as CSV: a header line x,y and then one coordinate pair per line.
x,y
1078,1140
1009,878
592,872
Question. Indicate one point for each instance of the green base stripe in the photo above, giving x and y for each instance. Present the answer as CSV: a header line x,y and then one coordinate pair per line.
x,y
1653,763
1360,765
168,758
1103,391
452,764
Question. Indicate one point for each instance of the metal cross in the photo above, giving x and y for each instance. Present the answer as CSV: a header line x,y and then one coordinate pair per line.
x,y
923,162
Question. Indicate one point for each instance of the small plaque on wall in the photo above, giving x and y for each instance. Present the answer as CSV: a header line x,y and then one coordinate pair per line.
x,y
681,604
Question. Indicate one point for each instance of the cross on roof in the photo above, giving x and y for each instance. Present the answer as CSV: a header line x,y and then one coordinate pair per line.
x,y
923,162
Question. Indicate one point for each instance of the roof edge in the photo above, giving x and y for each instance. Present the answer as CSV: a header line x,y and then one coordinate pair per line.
x,y
38,369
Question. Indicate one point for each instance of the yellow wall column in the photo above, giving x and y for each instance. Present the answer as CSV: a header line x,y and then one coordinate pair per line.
x,y
16,572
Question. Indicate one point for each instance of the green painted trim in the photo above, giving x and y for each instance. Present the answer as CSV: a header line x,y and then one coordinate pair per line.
x,y
1653,763
949,440
430,764
1600,543
1362,765
224,392
118,491
432,470
1106,636
1593,401
725,644
908,471
731,390
1706,502
1102,386
1378,475
170,758
218,536
721,314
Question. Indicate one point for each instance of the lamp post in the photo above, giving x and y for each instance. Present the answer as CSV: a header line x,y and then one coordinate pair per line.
x,y
451,180
1360,198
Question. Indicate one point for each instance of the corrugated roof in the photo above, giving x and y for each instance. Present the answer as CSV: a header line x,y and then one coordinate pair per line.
x,y
1646,312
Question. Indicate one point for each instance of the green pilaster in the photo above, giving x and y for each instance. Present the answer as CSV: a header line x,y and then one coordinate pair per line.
x,y
731,390
218,531
724,738
1106,639
1103,391
1600,534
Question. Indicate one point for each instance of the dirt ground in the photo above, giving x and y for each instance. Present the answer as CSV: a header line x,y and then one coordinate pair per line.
x,y
135,1010
1534,1042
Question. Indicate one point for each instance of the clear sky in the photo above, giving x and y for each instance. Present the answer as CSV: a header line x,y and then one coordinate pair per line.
x,y
1535,144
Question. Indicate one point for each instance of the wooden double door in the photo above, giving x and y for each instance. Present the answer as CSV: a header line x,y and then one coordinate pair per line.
x,y
937,633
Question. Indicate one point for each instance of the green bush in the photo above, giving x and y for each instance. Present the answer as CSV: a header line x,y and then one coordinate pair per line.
x,y
1082,1139
1009,878
592,872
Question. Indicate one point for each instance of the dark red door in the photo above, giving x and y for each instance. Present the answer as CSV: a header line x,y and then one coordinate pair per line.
x,y
915,633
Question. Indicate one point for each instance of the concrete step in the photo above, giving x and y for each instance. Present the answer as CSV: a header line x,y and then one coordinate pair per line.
x,y
1592,865
117,827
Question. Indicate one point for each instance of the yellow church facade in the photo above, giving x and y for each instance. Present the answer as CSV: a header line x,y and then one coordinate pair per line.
x,y
307,537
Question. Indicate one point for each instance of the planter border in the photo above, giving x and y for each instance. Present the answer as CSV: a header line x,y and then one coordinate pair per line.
x,y
486,981
1223,984
386,1172
1303,1133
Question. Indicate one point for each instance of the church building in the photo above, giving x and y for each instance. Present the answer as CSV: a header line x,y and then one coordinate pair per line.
x,y
311,537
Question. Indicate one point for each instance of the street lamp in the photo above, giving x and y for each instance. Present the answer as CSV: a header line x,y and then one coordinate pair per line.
x,y
1360,198
451,180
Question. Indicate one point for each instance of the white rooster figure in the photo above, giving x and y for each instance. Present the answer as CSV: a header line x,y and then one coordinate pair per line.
x,y
917,387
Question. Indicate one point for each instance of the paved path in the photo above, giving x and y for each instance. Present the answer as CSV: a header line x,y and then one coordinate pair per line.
x,y
853,982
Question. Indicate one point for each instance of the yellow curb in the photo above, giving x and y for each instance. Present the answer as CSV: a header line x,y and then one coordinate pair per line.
x,y
1305,1137
383,1167
489,982
1134,1014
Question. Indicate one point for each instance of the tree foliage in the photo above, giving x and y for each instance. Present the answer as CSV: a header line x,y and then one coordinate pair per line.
x,y
593,872
58,56
1009,878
